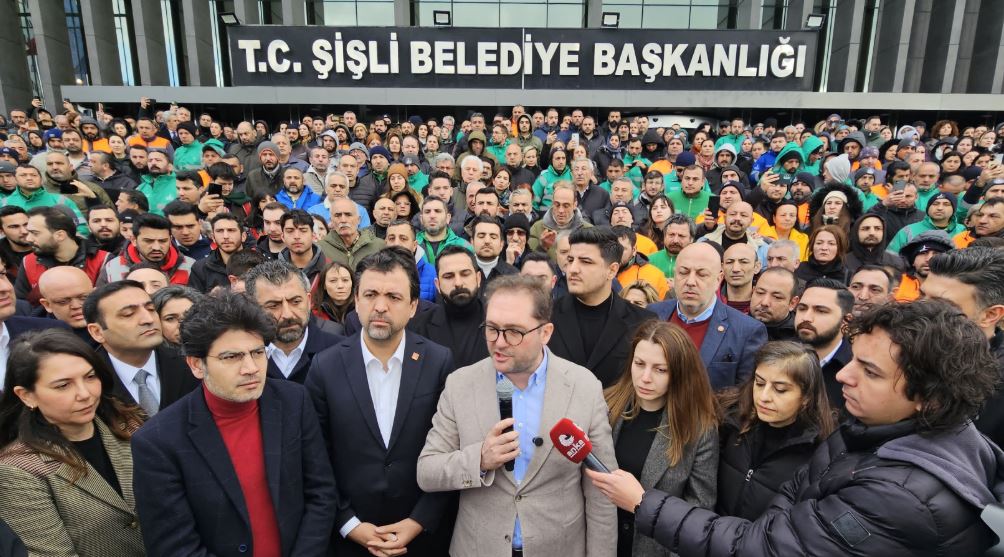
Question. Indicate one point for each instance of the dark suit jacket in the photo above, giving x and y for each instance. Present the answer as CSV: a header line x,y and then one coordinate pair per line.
x,y
10,544
729,345
188,496
467,347
377,482
17,324
176,379
606,359
317,340
834,388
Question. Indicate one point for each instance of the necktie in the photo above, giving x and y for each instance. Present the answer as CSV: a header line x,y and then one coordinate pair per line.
x,y
146,399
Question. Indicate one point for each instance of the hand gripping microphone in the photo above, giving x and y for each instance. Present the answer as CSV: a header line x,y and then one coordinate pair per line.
x,y
503,390
572,442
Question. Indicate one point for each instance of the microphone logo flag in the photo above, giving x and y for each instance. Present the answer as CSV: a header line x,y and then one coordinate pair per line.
x,y
566,440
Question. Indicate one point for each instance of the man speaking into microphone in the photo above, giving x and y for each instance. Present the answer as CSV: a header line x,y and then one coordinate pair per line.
x,y
544,506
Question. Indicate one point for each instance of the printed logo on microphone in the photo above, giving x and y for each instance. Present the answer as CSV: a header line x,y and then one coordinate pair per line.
x,y
566,440
572,445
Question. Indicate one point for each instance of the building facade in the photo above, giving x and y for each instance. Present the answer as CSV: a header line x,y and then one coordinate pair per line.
x,y
944,54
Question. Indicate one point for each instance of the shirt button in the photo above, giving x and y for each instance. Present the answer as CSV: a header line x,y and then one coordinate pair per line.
x,y
519,498
242,548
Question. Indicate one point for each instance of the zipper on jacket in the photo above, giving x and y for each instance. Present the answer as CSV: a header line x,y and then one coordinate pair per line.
x,y
749,474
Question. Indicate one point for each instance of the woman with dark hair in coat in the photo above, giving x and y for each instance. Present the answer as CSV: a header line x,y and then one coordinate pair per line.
x,y
827,248
837,204
772,425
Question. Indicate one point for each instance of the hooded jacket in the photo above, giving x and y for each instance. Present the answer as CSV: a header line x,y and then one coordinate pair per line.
x,y
809,146
313,268
209,272
200,249
176,266
335,249
159,191
790,151
853,205
839,168
859,255
910,231
543,187
714,176
854,137
881,490
604,155
529,139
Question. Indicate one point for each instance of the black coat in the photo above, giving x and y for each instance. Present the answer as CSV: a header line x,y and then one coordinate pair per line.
x,y
991,419
593,199
318,340
782,330
176,379
466,343
10,544
378,482
748,479
606,359
865,492
834,388
208,273
189,499
810,270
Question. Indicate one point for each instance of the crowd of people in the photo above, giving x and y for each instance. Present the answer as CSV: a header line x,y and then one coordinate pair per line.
x,y
337,337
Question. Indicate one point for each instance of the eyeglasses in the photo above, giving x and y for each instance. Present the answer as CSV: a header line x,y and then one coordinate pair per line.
x,y
513,337
233,358
68,300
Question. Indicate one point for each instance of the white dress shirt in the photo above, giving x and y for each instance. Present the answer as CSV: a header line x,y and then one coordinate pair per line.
x,y
127,372
287,362
826,359
4,352
385,383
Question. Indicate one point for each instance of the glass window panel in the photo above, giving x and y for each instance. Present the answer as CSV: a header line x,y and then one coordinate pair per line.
x,y
375,13
525,15
631,17
475,14
339,13
704,17
666,17
564,15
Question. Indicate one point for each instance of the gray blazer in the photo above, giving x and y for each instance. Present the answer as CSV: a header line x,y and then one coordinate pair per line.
x,y
694,479
55,517
560,511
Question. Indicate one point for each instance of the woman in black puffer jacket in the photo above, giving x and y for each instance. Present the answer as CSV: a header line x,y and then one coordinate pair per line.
x,y
771,427
908,474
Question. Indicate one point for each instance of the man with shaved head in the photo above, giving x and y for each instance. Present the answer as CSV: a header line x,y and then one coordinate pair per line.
x,y
740,266
63,290
726,338
738,220
244,147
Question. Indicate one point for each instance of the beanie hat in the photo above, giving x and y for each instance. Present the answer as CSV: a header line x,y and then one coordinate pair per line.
x,y
839,168
972,173
267,146
417,120
382,151
837,194
806,178
862,172
869,152
397,168
359,147
517,220
49,134
942,195
685,159
188,127
734,185
88,120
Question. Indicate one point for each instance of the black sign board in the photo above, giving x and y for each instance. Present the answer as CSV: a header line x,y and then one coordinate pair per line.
x,y
600,59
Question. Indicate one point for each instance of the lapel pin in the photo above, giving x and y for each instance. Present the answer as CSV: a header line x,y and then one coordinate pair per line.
x,y
721,328
414,356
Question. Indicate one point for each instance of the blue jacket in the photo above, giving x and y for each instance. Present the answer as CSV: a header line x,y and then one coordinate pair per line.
x,y
426,279
729,345
189,499
306,200
763,164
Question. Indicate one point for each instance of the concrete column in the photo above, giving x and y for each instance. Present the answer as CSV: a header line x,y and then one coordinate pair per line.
x,y
949,56
402,13
986,64
749,14
52,41
892,44
594,14
102,43
966,42
294,12
197,26
846,46
798,12
914,70
150,50
247,12
15,81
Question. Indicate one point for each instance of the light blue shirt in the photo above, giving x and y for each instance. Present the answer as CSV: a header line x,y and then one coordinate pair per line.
x,y
704,316
527,405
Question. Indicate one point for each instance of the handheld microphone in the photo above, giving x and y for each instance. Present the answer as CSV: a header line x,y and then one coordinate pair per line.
x,y
503,390
573,444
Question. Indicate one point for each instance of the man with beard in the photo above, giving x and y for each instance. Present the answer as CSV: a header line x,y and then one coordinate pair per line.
x,y
74,147
456,321
898,209
105,227
229,236
366,189
800,191
158,184
136,166
300,252
63,291
62,179
375,394
634,265
940,216
677,234
54,242
186,230
121,317
400,233
283,292
151,242
514,164
591,197
436,235
562,216
293,193
320,162
773,302
30,194
868,240
15,245
592,325
487,239
820,316
917,254
267,178
245,145
738,219
872,285
988,222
